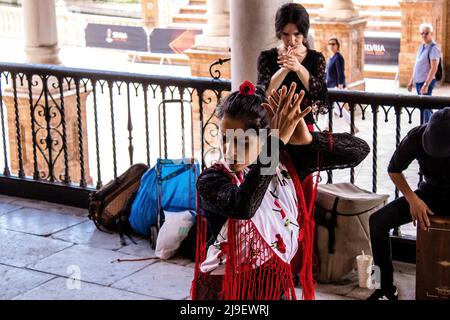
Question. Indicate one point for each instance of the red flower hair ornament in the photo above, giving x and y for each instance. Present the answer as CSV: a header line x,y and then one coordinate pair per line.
x,y
247,88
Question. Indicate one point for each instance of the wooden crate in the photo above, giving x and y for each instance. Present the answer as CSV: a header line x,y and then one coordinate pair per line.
x,y
433,260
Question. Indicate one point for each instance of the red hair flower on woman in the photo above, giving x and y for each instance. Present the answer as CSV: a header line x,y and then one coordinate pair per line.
x,y
247,88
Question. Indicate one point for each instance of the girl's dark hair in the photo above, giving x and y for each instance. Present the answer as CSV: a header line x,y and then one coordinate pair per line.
x,y
245,107
292,13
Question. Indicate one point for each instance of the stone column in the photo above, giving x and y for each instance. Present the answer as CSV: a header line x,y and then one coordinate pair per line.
x,y
340,18
41,36
252,29
414,13
218,15
44,114
214,43
341,9
155,13
447,45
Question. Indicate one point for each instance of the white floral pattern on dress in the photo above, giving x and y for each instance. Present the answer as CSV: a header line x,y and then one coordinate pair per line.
x,y
275,220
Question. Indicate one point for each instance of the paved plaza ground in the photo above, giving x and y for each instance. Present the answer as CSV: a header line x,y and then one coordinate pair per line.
x,y
44,245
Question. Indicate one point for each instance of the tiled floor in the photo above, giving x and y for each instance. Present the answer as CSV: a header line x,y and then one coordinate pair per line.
x,y
49,251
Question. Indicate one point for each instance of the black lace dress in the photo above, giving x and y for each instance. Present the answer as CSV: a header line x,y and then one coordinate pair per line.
x,y
314,62
221,199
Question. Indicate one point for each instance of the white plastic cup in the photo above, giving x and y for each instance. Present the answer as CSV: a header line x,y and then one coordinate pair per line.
x,y
364,263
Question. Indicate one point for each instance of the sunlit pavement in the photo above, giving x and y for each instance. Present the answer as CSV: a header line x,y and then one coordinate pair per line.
x,y
53,252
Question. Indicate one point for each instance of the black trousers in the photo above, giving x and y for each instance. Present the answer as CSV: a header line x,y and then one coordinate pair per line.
x,y
394,215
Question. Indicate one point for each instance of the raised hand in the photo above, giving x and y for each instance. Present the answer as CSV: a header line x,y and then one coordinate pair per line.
x,y
291,60
283,108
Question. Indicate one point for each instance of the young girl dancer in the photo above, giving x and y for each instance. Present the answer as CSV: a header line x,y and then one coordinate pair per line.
x,y
253,220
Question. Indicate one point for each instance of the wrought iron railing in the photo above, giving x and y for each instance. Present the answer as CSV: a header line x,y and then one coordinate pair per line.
x,y
406,111
72,129
64,131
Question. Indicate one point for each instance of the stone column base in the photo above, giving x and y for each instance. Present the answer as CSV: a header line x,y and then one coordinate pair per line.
x,y
43,54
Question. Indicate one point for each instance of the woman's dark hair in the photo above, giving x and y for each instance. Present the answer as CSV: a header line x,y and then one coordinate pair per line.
x,y
335,39
245,107
292,13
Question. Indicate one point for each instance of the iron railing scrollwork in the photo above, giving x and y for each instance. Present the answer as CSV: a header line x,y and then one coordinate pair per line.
x,y
60,126
216,74
72,129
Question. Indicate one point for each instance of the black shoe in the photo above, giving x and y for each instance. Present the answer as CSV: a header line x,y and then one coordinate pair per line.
x,y
380,294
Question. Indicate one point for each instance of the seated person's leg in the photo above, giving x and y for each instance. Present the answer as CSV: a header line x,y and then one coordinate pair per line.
x,y
381,222
394,215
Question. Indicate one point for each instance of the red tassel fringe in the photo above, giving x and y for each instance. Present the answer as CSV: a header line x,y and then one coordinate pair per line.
x,y
272,280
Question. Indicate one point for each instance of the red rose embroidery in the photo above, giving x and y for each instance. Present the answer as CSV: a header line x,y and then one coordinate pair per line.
x,y
223,247
279,244
247,88
276,203
280,210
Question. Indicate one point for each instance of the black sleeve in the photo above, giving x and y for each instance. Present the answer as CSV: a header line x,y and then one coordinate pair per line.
x,y
220,196
406,152
317,85
263,68
328,152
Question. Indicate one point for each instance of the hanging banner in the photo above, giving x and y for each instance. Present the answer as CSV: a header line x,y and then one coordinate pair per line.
x,y
382,50
172,40
116,37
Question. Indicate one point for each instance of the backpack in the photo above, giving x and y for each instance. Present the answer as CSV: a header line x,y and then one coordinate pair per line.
x,y
168,186
438,75
109,207
342,218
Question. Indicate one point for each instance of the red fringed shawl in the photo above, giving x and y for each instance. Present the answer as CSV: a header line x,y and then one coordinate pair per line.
x,y
272,278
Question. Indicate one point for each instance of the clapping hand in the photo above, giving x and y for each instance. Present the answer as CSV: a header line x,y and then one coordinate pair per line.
x,y
290,60
283,108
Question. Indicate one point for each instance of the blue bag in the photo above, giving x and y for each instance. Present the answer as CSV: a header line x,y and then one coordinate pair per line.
x,y
169,186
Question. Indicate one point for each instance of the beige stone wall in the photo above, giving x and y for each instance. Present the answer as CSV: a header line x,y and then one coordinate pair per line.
x,y
200,61
415,13
351,37
155,13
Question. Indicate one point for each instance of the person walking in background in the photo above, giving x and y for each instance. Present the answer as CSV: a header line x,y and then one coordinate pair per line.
x,y
426,66
335,77
335,71
293,60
